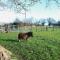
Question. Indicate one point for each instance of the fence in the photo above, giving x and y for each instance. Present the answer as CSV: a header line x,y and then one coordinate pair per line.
x,y
15,28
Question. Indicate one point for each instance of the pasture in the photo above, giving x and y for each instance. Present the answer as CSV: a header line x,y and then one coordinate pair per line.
x,y
45,45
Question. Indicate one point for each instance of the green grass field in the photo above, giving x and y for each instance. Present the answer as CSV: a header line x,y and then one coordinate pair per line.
x,y
45,45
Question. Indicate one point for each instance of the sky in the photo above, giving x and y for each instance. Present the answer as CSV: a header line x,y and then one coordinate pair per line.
x,y
37,11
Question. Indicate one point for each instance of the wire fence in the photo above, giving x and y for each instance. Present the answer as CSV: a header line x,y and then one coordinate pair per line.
x,y
15,28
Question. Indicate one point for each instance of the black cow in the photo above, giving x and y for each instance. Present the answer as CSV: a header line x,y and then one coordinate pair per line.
x,y
25,36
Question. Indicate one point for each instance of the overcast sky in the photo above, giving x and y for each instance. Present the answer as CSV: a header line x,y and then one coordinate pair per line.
x,y
37,11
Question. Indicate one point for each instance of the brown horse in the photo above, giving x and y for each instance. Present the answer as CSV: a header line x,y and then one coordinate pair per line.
x,y
25,36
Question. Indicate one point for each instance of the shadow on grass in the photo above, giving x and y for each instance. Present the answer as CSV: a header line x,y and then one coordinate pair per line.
x,y
11,40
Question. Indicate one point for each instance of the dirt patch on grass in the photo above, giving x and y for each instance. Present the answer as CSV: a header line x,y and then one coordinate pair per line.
x,y
5,54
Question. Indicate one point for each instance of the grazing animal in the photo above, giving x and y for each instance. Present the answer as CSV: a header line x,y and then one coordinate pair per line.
x,y
25,36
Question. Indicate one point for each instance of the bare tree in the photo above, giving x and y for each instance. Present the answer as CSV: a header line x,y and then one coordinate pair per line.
x,y
58,23
43,22
19,5
6,28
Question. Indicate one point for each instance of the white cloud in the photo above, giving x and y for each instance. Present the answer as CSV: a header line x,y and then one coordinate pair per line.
x,y
46,13
7,16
